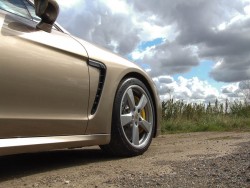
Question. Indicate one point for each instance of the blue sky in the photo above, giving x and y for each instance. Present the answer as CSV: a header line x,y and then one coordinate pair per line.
x,y
202,72
197,49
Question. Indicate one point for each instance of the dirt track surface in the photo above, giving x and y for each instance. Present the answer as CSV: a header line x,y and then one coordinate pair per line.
x,y
181,160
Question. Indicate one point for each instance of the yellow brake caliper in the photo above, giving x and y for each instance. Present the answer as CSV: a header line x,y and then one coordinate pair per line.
x,y
143,113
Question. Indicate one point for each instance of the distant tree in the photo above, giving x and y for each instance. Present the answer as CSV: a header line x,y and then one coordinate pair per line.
x,y
244,87
170,91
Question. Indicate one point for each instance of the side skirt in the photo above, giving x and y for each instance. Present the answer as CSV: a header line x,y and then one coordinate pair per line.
x,y
36,144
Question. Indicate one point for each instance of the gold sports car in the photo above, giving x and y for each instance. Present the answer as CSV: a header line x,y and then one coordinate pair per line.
x,y
57,91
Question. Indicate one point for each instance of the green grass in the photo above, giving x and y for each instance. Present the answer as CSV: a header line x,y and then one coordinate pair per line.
x,y
181,118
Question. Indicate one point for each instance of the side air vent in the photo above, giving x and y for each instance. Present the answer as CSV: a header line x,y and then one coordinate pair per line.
x,y
102,68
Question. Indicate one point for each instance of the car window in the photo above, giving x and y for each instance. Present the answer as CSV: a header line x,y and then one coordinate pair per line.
x,y
32,11
16,7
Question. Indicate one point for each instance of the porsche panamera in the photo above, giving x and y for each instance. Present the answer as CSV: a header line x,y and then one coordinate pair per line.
x,y
58,91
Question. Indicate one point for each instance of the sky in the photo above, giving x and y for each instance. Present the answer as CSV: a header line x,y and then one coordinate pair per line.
x,y
195,50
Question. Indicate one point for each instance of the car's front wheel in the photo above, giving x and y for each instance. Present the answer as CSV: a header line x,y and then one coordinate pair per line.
x,y
133,120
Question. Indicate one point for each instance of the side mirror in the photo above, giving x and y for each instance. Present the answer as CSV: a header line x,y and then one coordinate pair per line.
x,y
48,11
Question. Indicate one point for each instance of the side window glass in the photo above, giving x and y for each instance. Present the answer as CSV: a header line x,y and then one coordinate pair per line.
x,y
16,7
32,11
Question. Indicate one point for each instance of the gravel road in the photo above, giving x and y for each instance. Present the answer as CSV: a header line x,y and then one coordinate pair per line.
x,y
180,160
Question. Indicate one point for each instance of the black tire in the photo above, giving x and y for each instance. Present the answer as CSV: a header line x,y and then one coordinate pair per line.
x,y
131,138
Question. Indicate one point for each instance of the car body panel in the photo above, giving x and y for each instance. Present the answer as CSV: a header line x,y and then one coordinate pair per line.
x,y
38,144
45,88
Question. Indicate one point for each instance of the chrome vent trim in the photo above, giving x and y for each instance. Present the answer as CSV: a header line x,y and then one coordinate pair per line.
x,y
102,68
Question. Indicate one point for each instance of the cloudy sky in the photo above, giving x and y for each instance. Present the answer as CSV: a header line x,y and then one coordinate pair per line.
x,y
195,50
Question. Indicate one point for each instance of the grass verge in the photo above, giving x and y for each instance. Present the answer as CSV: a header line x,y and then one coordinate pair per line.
x,y
188,118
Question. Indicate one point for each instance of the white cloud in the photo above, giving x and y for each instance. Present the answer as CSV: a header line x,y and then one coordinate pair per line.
x,y
194,90
188,90
166,79
232,92
68,4
230,88
247,9
118,6
139,54
149,31
171,58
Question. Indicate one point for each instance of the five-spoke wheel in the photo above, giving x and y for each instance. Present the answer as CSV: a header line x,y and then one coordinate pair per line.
x,y
133,119
136,116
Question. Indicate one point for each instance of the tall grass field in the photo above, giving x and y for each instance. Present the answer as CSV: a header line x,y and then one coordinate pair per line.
x,y
180,117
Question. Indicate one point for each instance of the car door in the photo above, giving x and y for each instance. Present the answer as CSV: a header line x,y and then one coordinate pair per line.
x,y
44,79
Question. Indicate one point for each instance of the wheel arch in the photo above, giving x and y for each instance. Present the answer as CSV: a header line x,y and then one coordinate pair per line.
x,y
150,89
